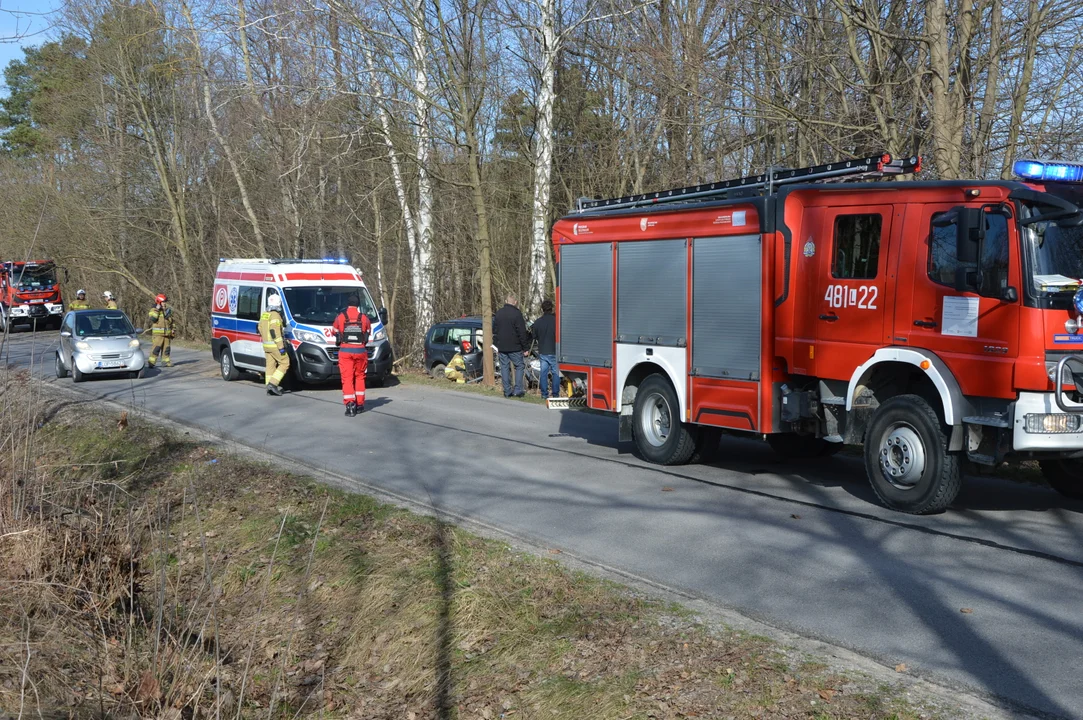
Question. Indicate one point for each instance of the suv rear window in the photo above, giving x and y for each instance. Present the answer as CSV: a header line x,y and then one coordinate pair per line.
x,y
438,336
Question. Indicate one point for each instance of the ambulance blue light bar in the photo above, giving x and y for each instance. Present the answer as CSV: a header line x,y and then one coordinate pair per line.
x,y
1055,171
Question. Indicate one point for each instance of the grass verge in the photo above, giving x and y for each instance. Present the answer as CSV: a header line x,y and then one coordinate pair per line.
x,y
145,574
423,379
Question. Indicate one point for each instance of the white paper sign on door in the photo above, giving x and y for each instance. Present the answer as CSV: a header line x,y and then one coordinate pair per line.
x,y
960,316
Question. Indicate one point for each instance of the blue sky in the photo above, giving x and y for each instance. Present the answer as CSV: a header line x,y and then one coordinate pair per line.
x,y
23,22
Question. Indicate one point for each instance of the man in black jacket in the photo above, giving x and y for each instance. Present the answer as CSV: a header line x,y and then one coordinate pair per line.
x,y
512,343
545,332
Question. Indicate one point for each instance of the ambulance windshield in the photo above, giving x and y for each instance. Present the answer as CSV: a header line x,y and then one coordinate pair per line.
x,y
1056,256
320,305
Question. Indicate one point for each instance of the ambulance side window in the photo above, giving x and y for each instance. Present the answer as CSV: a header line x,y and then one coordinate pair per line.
x,y
248,302
857,246
943,260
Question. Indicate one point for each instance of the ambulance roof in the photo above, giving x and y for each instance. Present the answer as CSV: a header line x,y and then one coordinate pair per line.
x,y
289,271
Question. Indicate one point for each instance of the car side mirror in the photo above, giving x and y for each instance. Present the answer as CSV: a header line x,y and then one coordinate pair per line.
x,y
139,331
65,334
382,312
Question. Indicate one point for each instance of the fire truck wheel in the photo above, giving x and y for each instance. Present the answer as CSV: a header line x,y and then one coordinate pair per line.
x,y
801,447
907,459
1064,476
659,434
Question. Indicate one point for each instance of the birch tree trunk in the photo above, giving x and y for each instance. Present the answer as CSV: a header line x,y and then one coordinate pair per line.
x,y
423,265
543,156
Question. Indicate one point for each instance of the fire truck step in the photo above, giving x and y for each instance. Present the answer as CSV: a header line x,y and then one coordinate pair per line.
x,y
563,403
989,420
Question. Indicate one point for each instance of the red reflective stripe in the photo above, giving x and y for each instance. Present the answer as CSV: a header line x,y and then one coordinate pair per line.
x,y
241,276
322,276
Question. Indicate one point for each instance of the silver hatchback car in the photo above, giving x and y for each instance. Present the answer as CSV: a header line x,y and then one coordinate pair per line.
x,y
98,342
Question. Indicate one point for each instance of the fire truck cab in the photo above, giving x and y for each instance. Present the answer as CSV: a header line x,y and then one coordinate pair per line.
x,y
30,294
924,320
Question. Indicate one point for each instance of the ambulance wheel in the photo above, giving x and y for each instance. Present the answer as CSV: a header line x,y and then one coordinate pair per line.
x,y
225,364
437,371
907,458
1065,476
61,371
659,434
801,447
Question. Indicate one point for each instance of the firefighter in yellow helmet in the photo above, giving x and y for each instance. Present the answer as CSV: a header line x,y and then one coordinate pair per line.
x,y
110,300
162,328
79,303
456,369
274,344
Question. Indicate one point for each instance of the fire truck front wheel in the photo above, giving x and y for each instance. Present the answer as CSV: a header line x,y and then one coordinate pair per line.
x,y
659,434
907,459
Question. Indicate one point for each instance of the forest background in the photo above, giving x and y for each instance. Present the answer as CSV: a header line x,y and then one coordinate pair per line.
x,y
434,142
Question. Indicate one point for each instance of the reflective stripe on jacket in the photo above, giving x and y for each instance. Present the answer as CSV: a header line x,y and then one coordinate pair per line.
x,y
270,331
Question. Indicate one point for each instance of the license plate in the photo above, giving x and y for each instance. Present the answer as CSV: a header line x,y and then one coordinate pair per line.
x,y
103,364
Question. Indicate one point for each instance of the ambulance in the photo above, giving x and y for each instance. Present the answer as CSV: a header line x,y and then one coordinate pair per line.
x,y
313,293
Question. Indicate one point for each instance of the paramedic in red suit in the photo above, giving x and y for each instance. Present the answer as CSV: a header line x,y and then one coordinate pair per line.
x,y
352,331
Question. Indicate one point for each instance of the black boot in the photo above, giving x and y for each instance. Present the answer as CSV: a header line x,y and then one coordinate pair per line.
x,y
274,390
351,409
360,409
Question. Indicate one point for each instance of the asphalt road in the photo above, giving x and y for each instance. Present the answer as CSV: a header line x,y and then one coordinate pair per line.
x,y
801,546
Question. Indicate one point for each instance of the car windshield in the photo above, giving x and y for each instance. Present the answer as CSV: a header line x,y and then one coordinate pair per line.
x,y
1056,255
103,324
34,278
320,305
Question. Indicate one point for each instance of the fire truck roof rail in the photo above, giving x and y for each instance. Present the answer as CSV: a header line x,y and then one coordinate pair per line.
x,y
877,165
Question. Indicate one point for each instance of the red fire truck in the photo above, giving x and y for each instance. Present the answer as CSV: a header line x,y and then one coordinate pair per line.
x,y
927,321
30,294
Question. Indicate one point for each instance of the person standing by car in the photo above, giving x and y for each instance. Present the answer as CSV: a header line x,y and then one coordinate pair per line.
x,y
110,300
512,344
352,330
274,345
545,332
79,303
163,328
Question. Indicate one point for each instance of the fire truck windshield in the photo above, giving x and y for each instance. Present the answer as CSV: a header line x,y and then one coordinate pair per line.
x,y
34,278
1056,255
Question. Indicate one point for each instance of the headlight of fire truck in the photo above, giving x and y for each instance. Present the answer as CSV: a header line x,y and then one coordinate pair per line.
x,y
379,335
309,337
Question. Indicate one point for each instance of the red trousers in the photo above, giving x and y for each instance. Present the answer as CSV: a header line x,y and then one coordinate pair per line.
x,y
352,365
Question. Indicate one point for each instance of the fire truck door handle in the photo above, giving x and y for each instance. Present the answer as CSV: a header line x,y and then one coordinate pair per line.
x,y
925,323
829,317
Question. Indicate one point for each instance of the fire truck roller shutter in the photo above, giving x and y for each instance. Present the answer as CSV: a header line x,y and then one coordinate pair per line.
x,y
726,296
955,404
586,304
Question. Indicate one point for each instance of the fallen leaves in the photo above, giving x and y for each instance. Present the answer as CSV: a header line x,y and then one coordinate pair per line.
x,y
966,611
901,667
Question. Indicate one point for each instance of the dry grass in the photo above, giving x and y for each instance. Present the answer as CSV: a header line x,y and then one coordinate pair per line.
x,y
142,575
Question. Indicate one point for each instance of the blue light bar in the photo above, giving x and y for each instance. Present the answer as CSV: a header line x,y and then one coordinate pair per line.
x,y
1054,171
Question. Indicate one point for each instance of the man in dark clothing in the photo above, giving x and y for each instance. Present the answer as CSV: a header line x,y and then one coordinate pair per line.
x,y
512,344
545,332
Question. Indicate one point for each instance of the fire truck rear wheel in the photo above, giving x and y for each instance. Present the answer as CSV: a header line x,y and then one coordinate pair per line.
x,y
1064,476
907,458
659,434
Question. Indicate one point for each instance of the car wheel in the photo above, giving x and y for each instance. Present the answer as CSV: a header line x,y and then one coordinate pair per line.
x,y
659,434
77,374
61,371
3,320
1064,476
801,447
907,457
437,371
226,366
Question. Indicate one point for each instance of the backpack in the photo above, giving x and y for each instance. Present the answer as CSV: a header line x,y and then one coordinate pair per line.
x,y
353,331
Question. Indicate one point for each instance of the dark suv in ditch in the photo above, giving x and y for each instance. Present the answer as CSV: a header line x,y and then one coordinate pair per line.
x,y
442,341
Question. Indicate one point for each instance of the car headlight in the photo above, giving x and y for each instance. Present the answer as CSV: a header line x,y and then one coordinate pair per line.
x,y
82,345
133,343
379,335
308,336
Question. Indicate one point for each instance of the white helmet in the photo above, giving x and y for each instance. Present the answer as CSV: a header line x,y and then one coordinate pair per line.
x,y
274,302
81,292
107,295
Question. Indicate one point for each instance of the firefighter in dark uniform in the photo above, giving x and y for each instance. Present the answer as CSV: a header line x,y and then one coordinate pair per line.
x,y
162,328
274,345
79,303
352,330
